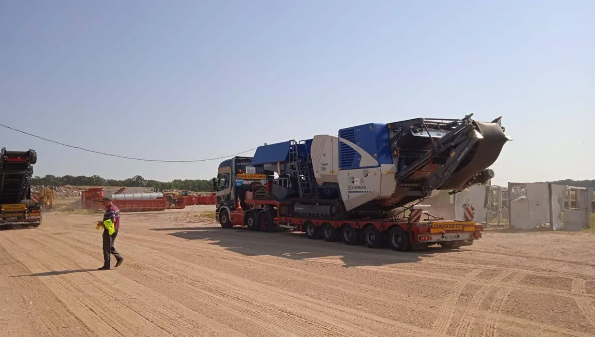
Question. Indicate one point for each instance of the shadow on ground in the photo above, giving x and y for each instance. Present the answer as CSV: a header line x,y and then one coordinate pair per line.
x,y
296,246
56,272
4,228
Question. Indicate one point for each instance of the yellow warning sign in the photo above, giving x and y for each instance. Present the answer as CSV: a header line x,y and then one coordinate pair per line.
x,y
14,207
251,176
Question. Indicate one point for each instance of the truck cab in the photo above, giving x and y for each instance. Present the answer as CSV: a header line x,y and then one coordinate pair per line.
x,y
235,176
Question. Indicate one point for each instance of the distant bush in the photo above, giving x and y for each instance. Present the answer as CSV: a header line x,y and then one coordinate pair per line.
x,y
197,185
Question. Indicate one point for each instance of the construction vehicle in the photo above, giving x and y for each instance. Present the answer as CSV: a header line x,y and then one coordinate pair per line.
x,y
173,196
45,197
364,186
17,205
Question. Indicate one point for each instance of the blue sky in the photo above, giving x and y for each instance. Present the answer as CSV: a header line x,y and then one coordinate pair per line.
x,y
200,79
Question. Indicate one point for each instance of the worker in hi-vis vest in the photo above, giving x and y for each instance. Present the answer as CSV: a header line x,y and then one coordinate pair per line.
x,y
111,225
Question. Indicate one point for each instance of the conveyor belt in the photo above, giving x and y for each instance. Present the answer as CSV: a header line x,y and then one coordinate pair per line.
x,y
487,152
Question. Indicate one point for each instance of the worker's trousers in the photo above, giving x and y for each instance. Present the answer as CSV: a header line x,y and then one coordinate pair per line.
x,y
108,247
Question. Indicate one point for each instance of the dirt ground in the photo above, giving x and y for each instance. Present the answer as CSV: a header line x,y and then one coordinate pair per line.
x,y
183,275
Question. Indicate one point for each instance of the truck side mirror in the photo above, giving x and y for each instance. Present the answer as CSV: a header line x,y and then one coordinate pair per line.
x,y
215,183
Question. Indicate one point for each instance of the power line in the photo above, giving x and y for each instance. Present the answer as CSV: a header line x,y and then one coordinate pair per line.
x,y
123,157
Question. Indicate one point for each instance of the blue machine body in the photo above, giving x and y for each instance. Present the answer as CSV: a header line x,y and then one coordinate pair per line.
x,y
372,138
272,153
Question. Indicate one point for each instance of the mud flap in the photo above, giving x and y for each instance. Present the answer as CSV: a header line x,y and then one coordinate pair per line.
x,y
486,153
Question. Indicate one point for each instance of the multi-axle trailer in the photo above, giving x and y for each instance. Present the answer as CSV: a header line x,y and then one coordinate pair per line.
x,y
365,185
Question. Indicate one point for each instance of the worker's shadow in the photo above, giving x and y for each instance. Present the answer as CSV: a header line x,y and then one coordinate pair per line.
x,y
297,246
57,272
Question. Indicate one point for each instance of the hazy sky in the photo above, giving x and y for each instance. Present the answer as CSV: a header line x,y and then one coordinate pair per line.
x,y
200,79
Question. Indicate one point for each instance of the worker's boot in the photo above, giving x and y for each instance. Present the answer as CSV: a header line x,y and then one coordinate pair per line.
x,y
119,262
103,268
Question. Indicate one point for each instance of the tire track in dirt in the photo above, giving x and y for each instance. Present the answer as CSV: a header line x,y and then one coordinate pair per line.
x,y
531,288
101,298
28,307
94,300
251,311
585,305
174,309
448,308
416,273
311,310
90,318
501,317
160,242
476,315
402,271
491,324
437,261
467,321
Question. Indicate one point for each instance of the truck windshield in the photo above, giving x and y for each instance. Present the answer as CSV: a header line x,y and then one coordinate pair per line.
x,y
223,181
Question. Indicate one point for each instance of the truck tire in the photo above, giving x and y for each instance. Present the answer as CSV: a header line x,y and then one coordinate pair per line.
x,y
265,222
372,237
311,230
330,233
350,235
251,221
224,219
398,239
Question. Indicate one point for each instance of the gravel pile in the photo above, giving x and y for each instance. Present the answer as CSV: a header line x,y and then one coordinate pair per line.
x,y
63,191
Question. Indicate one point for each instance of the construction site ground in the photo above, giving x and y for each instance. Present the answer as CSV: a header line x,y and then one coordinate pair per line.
x,y
184,275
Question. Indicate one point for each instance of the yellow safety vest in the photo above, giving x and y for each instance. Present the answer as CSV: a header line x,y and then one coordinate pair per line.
x,y
109,225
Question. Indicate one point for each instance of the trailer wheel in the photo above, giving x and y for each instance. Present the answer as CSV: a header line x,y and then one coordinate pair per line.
x,y
224,219
330,233
312,231
398,239
265,222
350,235
372,237
251,221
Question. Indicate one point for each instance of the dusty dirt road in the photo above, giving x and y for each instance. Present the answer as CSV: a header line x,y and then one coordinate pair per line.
x,y
185,276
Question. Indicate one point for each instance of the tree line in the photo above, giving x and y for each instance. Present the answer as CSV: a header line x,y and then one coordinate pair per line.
x,y
196,185
576,183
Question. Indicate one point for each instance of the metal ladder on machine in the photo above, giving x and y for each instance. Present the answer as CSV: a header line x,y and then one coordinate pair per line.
x,y
302,168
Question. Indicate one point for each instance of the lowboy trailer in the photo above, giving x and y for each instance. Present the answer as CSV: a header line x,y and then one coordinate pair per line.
x,y
364,186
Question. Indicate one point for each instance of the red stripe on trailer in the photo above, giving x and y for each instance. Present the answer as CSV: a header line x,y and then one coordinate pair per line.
x,y
415,215
34,198
468,214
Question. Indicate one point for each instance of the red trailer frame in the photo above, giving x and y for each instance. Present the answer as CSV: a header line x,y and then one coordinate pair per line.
x,y
402,234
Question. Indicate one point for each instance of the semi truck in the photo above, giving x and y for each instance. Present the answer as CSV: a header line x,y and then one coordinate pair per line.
x,y
18,206
365,185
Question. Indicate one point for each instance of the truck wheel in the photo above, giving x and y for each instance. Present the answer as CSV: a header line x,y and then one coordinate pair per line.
x,y
224,219
265,221
251,221
330,233
398,239
312,231
372,237
350,235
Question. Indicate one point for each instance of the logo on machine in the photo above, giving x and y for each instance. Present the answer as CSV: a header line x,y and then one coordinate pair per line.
x,y
356,189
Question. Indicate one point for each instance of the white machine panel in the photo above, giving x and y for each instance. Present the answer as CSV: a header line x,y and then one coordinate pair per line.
x,y
325,158
359,186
